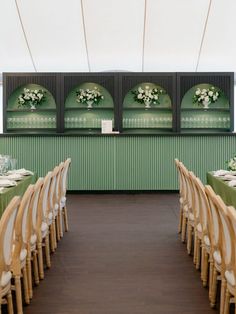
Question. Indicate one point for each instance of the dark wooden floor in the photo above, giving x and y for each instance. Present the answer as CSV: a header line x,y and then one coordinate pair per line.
x,y
122,255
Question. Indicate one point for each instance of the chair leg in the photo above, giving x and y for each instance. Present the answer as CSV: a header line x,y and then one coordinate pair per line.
x,y
227,302
222,294
205,266
47,251
214,288
195,249
189,238
52,244
184,224
65,212
25,285
18,295
211,275
9,303
54,234
60,222
35,267
40,260
29,275
198,253
180,219
58,227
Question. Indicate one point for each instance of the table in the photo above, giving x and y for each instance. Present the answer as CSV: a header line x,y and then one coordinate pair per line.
x,y
227,193
8,193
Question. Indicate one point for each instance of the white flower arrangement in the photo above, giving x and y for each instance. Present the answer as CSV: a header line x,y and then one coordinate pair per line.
x,y
31,97
148,95
205,96
89,95
232,164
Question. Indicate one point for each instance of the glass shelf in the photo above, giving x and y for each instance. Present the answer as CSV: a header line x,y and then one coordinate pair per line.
x,y
31,110
143,108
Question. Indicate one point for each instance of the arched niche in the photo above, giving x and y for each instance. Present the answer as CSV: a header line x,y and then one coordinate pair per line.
x,y
49,102
71,102
129,102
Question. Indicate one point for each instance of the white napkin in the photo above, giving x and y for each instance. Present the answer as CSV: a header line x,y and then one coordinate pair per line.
x,y
14,176
232,183
21,171
229,177
221,173
5,182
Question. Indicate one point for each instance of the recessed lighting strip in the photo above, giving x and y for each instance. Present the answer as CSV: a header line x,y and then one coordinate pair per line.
x,y
203,35
85,34
24,33
144,32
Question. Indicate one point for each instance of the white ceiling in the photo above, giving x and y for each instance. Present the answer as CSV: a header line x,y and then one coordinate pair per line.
x,y
131,35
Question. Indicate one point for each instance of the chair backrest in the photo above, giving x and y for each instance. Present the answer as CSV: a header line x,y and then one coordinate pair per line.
x,y
177,163
64,176
52,189
188,185
58,184
182,170
231,213
7,223
44,205
214,226
195,197
225,229
204,210
35,204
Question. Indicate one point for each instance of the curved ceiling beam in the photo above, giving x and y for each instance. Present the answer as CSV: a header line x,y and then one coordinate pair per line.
x,y
203,35
85,35
144,32
24,33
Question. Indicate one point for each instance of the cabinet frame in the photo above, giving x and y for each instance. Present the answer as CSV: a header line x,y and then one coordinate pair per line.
x,y
212,78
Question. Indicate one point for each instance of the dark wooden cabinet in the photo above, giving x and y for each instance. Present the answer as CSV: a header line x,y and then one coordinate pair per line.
x,y
136,102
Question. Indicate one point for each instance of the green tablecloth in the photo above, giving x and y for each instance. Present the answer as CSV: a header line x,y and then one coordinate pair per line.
x,y
8,193
227,193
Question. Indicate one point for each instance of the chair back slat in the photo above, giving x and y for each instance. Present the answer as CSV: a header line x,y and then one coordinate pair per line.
x,y
64,176
35,201
7,223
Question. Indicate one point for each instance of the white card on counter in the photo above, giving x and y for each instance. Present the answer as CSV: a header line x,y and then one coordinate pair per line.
x,y
106,126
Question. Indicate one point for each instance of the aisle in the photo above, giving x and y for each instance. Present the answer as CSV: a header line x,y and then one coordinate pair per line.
x,y
121,256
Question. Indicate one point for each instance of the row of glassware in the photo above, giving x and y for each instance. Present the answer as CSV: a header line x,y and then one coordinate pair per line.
x,y
7,163
157,122
205,122
31,122
75,122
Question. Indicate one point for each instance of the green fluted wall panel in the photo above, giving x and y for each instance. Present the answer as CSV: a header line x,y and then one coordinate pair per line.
x,y
122,162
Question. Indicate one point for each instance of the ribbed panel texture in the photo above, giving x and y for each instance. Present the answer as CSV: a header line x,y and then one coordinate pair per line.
x,y
121,163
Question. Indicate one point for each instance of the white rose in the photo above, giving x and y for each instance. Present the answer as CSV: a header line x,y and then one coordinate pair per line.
x,y
210,93
140,90
140,96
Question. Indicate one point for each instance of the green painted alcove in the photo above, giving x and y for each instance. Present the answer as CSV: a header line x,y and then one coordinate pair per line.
x,y
129,102
71,102
187,101
12,103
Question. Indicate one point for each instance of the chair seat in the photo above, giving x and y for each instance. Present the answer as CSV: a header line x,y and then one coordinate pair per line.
x,y
191,216
23,253
63,202
33,239
50,218
217,257
199,227
44,229
207,240
56,207
229,275
5,278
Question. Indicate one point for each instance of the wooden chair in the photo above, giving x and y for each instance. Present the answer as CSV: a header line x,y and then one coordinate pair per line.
x,y
202,232
54,208
189,215
63,189
230,257
217,263
44,216
181,194
184,211
7,223
56,201
32,237
19,258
